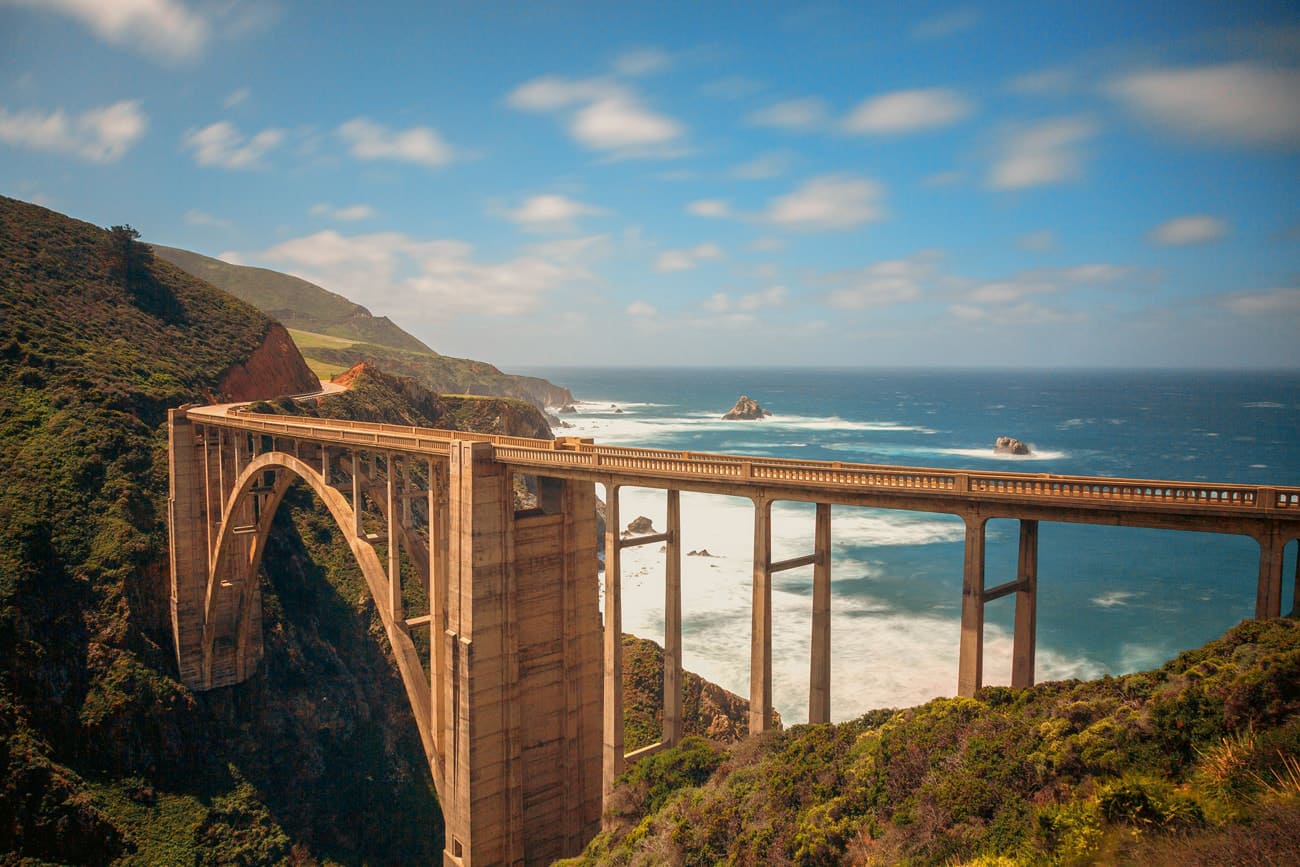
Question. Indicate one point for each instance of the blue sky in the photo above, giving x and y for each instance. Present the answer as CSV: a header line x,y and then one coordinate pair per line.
x,y
1013,184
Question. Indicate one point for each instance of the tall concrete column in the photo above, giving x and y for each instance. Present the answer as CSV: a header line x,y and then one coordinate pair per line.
x,y
1268,596
1026,629
483,804
612,761
672,731
188,537
819,675
970,660
760,649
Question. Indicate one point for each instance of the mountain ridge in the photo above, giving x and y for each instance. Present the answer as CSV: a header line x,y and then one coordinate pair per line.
x,y
325,321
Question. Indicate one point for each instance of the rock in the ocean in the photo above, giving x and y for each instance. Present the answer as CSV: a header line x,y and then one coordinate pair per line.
x,y
746,408
1009,446
641,526
568,409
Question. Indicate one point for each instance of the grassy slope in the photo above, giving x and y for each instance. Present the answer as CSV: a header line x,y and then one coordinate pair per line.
x,y
319,318
295,302
1195,762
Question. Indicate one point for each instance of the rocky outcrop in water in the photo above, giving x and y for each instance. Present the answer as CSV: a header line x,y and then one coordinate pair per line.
x,y
1010,446
746,408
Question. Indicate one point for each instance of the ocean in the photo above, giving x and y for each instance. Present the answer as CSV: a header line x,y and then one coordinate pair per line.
x,y
1111,600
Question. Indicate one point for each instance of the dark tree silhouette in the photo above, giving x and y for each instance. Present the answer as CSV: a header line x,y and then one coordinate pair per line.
x,y
128,260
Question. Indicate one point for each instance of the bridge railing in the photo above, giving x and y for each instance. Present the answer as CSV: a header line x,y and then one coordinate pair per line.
x,y
574,453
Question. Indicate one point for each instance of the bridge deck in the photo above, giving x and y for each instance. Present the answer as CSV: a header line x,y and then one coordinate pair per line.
x,y
1089,499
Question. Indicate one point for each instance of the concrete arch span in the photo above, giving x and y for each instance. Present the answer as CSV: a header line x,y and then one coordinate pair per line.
x,y
232,603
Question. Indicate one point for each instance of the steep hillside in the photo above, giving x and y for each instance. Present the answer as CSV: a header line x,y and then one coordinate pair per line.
x,y
1197,762
334,333
104,755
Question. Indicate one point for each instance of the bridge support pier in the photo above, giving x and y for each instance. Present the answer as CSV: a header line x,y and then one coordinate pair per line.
x,y
760,647
1272,550
974,596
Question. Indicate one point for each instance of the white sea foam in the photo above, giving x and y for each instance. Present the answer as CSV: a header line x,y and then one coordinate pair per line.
x,y
915,453
607,424
1113,599
881,657
1263,404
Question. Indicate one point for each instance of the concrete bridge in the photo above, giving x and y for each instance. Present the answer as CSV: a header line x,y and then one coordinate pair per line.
x,y
519,709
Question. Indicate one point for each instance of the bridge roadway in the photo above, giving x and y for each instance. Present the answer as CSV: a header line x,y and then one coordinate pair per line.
x,y
471,551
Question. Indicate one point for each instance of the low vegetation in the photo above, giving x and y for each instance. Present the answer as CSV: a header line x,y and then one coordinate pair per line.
x,y
1196,762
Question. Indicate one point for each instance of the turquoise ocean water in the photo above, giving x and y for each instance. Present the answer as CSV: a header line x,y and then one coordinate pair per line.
x,y
1110,599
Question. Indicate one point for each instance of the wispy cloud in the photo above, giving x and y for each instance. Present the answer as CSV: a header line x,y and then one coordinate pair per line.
x,y
237,97
421,145
883,284
721,302
202,218
390,271
1264,303
100,135
799,115
641,308
348,214
1238,103
164,29
762,167
550,213
642,61
828,203
602,115
222,145
1192,229
946,24
1046,153
709,208
906,111
685,259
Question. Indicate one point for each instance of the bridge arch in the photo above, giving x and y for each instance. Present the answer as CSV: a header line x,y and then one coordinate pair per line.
x,y
239,549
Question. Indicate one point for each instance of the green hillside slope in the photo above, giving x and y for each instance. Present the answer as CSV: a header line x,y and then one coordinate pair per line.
x,y
334,334
295,302
1197,762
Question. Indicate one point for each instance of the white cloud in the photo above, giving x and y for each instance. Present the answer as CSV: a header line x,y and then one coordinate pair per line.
x,y
1024,313
894,281
1040,241
828,202
709,208
642,61
164,29
237,97
100,135
721,302
762,167
684,260
1237,103
221,144
1046,153
1192,229
436,279
602,115
946,24
422,145
202,218
1268,302
640,308
794,114
550,213
351,213
907,111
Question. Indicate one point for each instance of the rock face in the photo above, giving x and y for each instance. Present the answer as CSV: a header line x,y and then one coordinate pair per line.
x,y
1010,446
275,368
745,408
707,709
640,526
